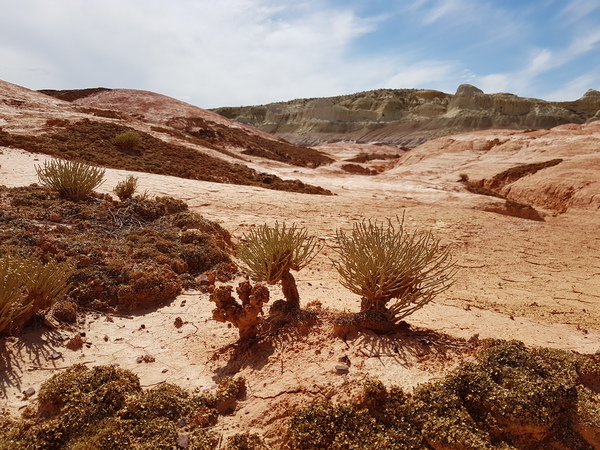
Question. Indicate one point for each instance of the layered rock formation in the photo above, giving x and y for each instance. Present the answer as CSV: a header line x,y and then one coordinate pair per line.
x,y
409,117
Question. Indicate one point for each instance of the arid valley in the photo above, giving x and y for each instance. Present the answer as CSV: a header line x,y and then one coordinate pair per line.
x,y
527,259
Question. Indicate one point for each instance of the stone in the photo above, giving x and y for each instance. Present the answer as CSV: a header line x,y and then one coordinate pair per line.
x,y
183,441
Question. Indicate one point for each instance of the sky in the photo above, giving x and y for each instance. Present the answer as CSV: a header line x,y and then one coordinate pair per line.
x,y
213,53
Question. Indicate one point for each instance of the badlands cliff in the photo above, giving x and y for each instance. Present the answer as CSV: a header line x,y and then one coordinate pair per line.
x,y
409,117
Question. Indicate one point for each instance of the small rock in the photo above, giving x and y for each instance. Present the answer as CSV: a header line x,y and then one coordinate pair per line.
x,y
342,368
178,322
139,359
105,338
82,333
29,392
425,341
183,441
165,370
345,360
55,355
182,423
142,326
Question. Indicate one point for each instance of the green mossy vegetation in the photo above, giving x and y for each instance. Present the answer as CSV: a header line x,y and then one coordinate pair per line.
x,y
126,254
106,408
510,397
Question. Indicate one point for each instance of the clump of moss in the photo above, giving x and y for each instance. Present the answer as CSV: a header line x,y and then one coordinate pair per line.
x,y
105,407
509,397
245,441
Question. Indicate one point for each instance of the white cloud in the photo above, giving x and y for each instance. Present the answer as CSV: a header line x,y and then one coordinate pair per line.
x,y
575,88
576,10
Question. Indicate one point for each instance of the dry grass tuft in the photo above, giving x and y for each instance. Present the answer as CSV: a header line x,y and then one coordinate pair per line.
x,y
72,180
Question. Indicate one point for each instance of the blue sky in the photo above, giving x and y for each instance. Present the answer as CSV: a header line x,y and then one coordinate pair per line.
x,y
244,52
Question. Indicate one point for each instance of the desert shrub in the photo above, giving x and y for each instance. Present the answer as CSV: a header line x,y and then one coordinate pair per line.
x,y
269,254
127,141
245,316
28,286
12,293
125,189
381,262
72,180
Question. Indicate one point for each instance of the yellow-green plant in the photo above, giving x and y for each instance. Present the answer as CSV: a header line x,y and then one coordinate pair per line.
x,y
128,140
72,180
381,262
28,286
269,254
125,189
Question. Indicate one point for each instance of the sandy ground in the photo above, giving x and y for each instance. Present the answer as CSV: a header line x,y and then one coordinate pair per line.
x,y
538,282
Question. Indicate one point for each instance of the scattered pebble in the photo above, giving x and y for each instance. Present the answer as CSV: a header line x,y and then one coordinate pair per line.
x,y
182,423
178,322
29,392
342,368
55,355
183,441
145,358
105,338
165,370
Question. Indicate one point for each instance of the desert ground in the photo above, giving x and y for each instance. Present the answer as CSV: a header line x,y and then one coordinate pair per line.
x,y
534,281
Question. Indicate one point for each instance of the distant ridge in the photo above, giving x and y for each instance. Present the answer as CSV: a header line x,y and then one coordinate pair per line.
x,y
409,117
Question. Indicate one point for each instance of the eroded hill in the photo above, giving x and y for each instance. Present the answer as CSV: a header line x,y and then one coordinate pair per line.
x,y
409,117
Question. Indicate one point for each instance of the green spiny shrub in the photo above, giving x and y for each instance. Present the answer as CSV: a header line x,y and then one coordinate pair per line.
x,y
381,262
72,180
269,254
28,286
125,189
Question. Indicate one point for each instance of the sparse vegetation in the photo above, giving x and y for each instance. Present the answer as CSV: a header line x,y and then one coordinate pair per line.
x,y
514,173
105,407
127,254
72,180
27,286
269,253
510,397
92,142
126,188
381,262
366,157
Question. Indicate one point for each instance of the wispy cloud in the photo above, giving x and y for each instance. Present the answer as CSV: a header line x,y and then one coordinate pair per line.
x,y
257,51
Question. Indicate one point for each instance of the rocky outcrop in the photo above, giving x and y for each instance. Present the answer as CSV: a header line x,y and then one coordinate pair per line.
x,y
409,117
